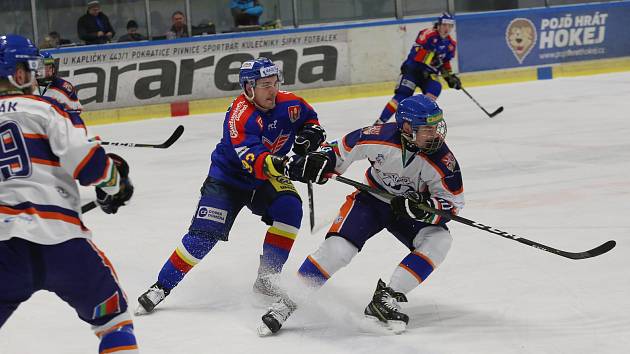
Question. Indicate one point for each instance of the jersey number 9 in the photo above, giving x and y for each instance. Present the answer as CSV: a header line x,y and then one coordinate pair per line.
x,y
14,158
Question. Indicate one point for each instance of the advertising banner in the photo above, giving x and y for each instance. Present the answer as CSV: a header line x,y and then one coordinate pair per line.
x,y
520,38
124,75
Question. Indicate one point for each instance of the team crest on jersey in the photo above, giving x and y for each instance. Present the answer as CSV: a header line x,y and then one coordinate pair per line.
x,y
294,113
449,161
67,86
372,130
277,144
398,183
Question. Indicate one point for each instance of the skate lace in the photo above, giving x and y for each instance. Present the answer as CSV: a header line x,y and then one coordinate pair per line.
x,y
155,295
390,302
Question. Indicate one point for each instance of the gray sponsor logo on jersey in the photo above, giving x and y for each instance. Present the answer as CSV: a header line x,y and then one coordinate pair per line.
x,y
214,214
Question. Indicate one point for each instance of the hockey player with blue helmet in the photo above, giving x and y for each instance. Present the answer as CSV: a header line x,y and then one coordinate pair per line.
x,y
410,160
248,169
44,244
51,85
430,55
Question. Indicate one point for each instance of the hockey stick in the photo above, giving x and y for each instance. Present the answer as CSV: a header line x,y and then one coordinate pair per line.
x,y
311,205
491,115
87,207
601,249
172,139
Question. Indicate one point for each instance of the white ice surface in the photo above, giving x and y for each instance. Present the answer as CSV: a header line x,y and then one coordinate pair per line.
x,y
553,167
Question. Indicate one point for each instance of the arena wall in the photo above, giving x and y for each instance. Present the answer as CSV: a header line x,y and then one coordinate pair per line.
x,y
142,80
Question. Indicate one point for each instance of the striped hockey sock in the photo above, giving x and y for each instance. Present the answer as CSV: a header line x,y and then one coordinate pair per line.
x,y
389,110
183,259
277,245
119,340
412,270
311,271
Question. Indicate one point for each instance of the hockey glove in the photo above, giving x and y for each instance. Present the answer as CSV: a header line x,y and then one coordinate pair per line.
x,y
309,139
408,208
312,167
453,81
110,203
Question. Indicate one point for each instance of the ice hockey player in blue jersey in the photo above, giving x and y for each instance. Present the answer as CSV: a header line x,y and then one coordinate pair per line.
x,y
51,85
44,244
260,128
410,160
429,56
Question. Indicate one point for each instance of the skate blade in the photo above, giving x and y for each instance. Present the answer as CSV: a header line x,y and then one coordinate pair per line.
x,y
397,327
140,311
263,330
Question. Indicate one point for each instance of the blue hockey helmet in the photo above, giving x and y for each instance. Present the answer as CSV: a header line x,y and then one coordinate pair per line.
x,y
446,18
419,111
253,70
15,49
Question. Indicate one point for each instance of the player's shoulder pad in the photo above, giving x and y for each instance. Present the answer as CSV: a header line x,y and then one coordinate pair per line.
x,y
383,134
444,160
284,96
240,113
64,85
453,42
44,105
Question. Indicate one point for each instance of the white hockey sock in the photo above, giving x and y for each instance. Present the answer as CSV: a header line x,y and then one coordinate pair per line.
x,y
402,281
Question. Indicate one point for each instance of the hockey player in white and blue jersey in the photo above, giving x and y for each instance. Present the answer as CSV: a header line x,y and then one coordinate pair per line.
x,y
44,244
51,85
408,159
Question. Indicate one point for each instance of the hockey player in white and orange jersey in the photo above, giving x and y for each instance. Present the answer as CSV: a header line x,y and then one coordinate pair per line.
x,y
410,160
44,244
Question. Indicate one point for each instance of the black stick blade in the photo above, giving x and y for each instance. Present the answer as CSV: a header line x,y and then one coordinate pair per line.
x,y
499,110
172,139
599,250
87,207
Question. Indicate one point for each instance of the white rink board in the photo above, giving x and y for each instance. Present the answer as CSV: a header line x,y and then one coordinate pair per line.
x,y
132,74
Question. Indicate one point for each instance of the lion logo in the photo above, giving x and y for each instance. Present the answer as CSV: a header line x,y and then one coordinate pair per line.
x,y
520,36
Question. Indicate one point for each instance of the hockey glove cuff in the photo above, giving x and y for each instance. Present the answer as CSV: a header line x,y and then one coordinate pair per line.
x,y
453,81
110,203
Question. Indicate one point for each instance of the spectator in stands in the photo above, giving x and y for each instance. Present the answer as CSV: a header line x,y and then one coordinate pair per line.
x,y
246,12
132,33
179,29
94,26
54,40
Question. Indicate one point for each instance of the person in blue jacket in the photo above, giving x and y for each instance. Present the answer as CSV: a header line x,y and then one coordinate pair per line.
x,y
248,169
246,12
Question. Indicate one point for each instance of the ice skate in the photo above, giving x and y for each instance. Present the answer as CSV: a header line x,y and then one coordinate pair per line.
x,y
278,313
385,310
150,299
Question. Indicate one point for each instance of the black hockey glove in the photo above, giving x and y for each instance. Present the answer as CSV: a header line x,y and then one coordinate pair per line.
x,y
111,203
453,81
309,139
312,167
409,208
